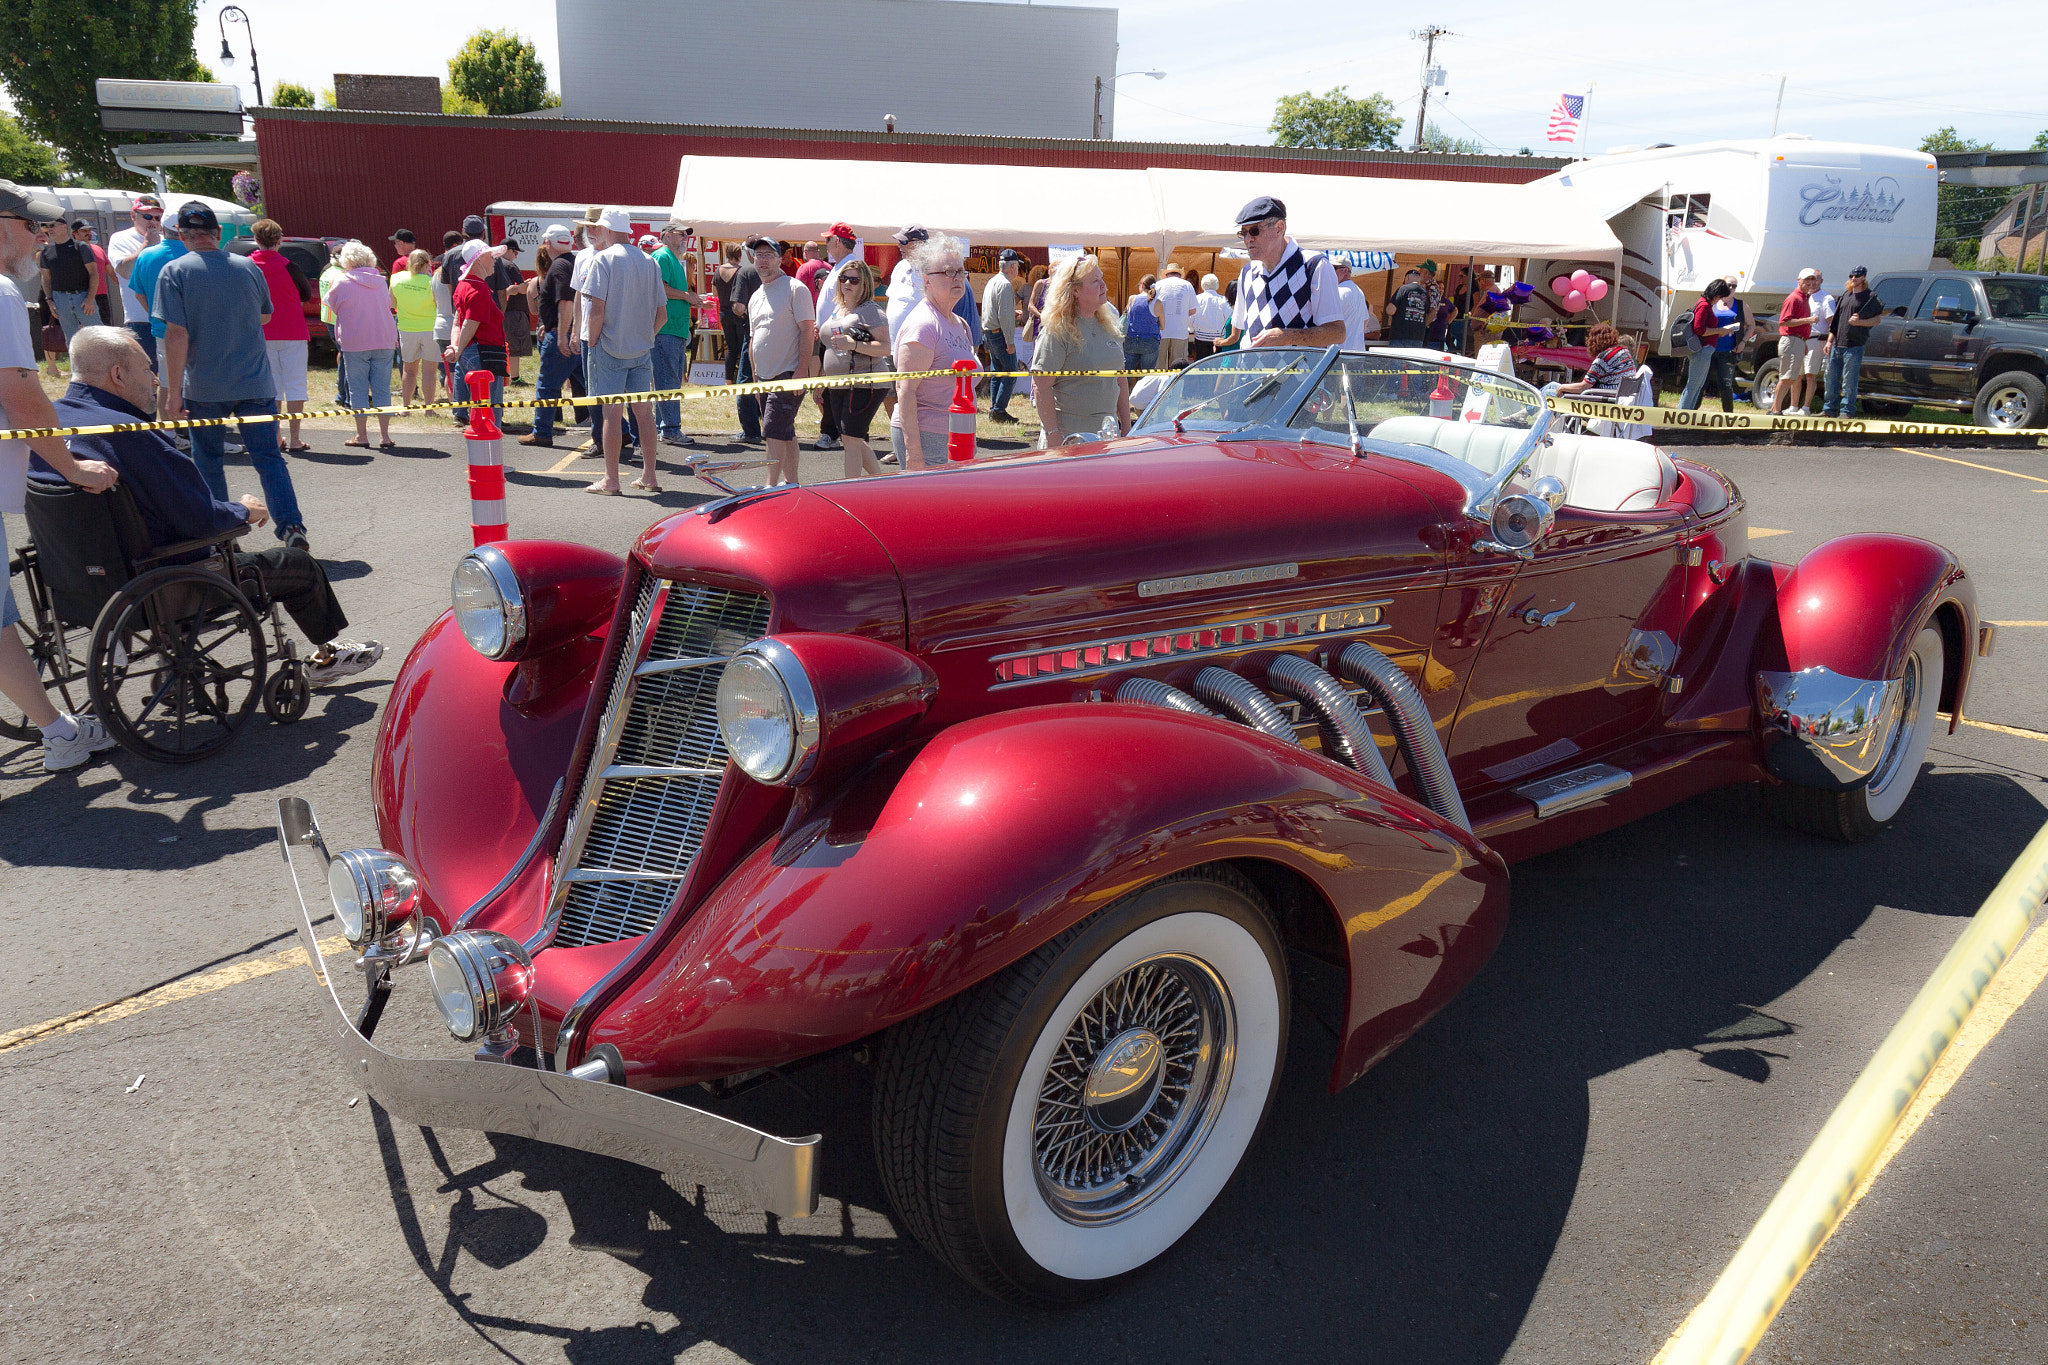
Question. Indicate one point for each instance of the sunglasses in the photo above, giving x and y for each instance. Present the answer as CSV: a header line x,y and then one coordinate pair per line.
x,y
1251,230
849,280
150,217
945,274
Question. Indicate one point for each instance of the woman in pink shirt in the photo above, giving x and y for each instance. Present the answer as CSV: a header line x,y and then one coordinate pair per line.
x,y
285,335
932,338
366,331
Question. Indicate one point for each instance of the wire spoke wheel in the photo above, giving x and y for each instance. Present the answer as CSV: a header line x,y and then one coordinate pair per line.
x,y
1132,1088
177,664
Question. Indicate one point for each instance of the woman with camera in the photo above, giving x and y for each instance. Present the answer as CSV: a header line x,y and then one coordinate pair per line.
x,y
1716,319
856,341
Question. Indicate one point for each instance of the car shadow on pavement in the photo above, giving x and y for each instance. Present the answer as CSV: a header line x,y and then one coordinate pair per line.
x,y
1409,1218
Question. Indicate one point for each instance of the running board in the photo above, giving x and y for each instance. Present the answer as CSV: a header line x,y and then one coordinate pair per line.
x,y
1579,787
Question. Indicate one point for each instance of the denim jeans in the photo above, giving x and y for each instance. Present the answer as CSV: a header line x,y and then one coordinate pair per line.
x,y
1721,365
73,311
1845,373
671,355
369,377
472,361
1141,353
148,340
605,373
747,403
260,439
1000,357
556,370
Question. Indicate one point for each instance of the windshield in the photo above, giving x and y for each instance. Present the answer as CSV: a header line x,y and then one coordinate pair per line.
x,y
2018,298
1231,390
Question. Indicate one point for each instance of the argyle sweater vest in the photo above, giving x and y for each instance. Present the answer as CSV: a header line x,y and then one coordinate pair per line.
x,y
1280,297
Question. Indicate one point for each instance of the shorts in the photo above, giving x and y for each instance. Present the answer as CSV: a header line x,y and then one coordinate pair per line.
x,y
778,411
1792,355
414,346
1816,355
288,369
9,613
604,373
853,408
518,332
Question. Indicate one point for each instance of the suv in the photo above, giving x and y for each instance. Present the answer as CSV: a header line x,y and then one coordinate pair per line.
x,y
1961,339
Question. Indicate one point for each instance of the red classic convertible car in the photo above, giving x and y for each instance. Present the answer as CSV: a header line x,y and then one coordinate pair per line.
x,y
1020,779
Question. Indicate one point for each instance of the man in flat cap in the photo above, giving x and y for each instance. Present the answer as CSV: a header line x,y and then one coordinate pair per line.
x,y
1286,297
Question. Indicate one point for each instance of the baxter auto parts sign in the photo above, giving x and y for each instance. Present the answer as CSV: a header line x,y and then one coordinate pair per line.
x,y
1879,201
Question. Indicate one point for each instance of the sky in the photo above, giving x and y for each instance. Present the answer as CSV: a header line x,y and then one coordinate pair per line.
x,y
1878,71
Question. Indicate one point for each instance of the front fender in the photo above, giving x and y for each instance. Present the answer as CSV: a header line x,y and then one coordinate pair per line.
x,y
1854,604
927,876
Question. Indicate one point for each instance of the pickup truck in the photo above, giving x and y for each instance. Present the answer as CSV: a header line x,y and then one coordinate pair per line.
x,y
1962,339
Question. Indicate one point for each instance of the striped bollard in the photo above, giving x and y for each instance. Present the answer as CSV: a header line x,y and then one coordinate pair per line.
x,y
960,417
487,520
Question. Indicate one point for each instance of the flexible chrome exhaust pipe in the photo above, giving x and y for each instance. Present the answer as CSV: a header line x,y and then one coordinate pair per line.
x,y
1152,692
1235,697
1384,681
1346,736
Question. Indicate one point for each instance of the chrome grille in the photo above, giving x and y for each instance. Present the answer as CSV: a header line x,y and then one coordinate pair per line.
x,y
635,833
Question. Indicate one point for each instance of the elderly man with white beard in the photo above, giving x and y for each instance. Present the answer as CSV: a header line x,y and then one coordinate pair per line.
x,y
68,740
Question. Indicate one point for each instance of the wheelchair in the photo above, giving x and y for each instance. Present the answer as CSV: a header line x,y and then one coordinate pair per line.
x,y
171,657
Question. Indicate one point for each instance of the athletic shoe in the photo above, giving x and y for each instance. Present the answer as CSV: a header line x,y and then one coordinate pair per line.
x,y
515,380
825,443
234,447
681,439
589,447
349,659
295,538
536,441
741,438
998,415
91,737
1797,412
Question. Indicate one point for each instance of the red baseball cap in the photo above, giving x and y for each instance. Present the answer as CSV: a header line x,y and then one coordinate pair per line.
x,y
843,232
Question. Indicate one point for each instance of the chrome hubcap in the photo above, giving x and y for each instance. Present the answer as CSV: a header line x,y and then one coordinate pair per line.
x,y
2008,408
1902,728
1132,1089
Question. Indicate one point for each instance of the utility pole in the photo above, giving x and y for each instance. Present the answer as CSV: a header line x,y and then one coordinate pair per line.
x,y
1428,36
1779,108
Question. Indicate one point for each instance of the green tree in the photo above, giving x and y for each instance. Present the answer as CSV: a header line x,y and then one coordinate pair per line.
x,y
24,160
1960,210
452,103
499,70
290,95
1336,119
2040,141
1435,139
51,54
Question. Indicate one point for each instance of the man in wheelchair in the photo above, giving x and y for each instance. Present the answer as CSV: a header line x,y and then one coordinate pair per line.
x,y
112,383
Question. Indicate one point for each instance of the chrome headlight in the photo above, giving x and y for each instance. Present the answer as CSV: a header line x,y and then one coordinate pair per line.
x,y
768,714
480,981
373,892
489,607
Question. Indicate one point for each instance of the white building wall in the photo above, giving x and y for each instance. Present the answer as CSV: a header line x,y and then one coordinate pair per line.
x,y
940,66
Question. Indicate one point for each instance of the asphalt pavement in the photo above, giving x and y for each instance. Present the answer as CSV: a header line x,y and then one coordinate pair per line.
x,y
1555,1169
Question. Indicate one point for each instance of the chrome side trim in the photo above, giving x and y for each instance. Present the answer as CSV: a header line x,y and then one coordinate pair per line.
x,y
1579,787
670,665
606,874
587,1115
1831,730
625,770
533,847
1018,668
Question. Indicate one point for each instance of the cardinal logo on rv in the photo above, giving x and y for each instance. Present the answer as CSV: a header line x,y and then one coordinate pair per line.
x,y
1878,201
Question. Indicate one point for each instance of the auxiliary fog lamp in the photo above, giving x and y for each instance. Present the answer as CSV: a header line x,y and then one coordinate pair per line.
x,y
374,892
480,981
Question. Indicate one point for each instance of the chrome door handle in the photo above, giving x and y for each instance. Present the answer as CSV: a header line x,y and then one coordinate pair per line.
x,y
1547,618
1912,331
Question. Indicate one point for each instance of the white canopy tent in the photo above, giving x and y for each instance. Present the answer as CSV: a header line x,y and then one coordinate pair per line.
x,y
1156,208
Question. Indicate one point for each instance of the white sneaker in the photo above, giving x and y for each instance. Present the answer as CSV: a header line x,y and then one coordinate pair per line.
x,y
60,754
1797,412
349,659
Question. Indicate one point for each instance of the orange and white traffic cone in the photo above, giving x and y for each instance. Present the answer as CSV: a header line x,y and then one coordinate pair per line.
x,y
1441,398
487,517
960,417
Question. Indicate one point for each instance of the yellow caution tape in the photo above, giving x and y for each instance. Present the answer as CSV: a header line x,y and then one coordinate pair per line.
x,y
1702,420
1729,1322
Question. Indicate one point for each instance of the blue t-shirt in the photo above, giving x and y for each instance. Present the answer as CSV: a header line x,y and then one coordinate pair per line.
x,y
142,277
220,301
1138,321
1726,316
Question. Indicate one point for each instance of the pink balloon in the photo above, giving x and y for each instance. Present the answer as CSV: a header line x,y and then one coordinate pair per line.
x,y
1560,284
1574,300
1580,279
1597,290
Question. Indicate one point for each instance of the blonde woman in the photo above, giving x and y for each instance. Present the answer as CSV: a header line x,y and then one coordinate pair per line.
x,y
931,337
412,297
856,341
1079,330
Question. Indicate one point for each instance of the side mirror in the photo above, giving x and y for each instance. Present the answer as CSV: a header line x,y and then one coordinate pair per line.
x,y
1520,521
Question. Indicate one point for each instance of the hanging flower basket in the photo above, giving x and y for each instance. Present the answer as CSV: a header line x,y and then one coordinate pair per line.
x,y
248,189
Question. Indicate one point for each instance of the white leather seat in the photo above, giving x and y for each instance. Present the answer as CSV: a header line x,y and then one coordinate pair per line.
x,y
1599,473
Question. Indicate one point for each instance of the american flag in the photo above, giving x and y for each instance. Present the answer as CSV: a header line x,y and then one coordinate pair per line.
x,y
1564,118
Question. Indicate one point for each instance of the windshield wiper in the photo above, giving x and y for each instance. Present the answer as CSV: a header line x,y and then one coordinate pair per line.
x,y
1264,385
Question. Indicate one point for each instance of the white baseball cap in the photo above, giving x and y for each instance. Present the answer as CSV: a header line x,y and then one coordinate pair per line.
x,y
616,219
558,234
1809,274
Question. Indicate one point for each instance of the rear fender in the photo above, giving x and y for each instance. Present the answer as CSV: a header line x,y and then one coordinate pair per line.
x,y
929,873
1855,604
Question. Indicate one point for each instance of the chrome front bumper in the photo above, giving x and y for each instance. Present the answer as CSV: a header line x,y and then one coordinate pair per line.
x,y
591,1116
1826,730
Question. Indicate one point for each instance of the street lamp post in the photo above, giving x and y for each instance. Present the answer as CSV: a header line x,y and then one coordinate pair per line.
x,y
1155,75
227,53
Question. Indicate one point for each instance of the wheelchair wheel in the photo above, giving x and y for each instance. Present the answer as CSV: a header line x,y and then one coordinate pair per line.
x,y
177,664
49,644
286,695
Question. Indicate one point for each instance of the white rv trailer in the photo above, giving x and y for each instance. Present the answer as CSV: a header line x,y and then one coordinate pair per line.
x,y
1760,210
